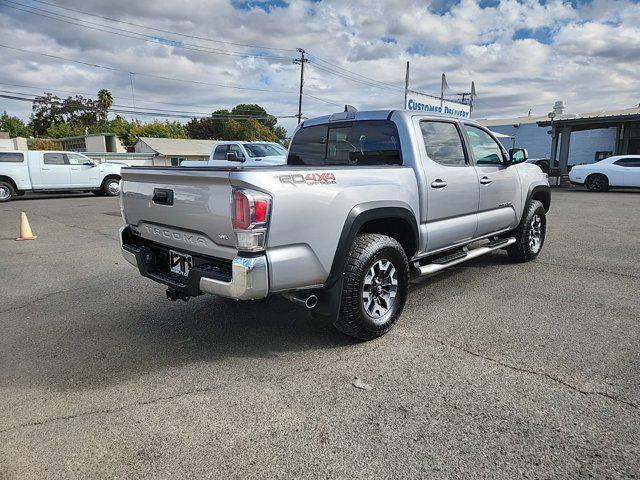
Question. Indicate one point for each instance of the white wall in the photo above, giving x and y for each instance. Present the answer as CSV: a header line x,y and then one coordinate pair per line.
x,y
95,144
19,143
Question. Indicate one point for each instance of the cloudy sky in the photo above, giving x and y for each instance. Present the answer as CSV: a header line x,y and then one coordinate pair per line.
x,y
201,55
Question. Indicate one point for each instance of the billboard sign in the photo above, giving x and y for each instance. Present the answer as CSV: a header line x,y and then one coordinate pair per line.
x,y
430,104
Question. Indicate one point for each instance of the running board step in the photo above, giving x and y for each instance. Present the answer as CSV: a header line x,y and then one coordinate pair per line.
x,y
459,257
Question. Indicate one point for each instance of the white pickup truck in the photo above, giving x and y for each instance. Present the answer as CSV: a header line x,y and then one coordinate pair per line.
x,y
248,154
33,170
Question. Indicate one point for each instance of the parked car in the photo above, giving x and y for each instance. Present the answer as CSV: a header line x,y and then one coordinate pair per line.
x,y
42,171
620,171
366,200
245,153
543,163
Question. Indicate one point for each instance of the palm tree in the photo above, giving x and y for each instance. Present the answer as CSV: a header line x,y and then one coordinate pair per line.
x,y
105,100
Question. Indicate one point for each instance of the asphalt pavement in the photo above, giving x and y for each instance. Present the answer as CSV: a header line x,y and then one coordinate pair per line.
x,y
495,370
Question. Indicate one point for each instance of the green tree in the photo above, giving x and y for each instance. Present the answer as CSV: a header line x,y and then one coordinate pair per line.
x,y
155,129
43,144
256,110
14,126
281,133
120,126
216,128
49,109
105,101
60,130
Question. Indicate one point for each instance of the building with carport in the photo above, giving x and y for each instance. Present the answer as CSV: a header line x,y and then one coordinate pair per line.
x,y
625,122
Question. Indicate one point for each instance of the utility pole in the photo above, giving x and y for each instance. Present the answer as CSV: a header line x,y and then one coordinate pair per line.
x,y
133,97
302,60
406,86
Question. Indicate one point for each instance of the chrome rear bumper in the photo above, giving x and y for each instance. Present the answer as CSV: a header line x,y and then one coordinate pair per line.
x,y
249,279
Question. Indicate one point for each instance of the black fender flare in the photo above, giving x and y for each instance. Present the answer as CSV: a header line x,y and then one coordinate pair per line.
x,y
330,294
544,191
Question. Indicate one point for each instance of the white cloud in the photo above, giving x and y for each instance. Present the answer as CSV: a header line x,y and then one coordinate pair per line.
x,y
520,54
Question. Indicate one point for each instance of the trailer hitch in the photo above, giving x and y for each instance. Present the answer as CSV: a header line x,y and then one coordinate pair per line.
x,y
174,295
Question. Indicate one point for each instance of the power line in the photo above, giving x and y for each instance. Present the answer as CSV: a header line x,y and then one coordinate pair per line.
x,y
195,37
324,100
333,66
125,109
135,35
152,75
354,79
138,100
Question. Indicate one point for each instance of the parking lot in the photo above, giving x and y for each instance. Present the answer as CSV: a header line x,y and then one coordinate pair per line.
x,y
495,370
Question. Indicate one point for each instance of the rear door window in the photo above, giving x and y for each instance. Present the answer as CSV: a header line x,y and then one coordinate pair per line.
x,y
55,159
220,152
11,157
370,142
443,143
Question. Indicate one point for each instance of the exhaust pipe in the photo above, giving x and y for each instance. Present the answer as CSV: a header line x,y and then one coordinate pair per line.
x,y
308,301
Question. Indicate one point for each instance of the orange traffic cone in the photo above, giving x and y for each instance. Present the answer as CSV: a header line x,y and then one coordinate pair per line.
x,y
25,229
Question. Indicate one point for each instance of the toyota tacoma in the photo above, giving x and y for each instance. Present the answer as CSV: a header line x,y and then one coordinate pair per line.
x,y
365,201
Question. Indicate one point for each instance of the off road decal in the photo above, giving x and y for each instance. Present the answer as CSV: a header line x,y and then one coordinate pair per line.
x,y
309,178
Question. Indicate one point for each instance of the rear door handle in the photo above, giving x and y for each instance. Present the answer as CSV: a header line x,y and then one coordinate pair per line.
x,y
438,183
485,180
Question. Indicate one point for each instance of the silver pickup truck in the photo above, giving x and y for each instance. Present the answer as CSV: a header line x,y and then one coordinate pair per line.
x,y
366,200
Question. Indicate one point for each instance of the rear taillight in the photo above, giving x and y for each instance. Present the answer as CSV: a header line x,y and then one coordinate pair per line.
x,y
250,218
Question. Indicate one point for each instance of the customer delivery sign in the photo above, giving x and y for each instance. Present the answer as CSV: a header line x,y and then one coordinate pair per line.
x,y
428,103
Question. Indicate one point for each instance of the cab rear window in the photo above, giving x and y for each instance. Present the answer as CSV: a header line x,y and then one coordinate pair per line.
x,y
11,157
367,142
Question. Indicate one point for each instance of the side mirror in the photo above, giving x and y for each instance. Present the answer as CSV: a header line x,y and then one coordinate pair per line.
x,y
518,155
234,157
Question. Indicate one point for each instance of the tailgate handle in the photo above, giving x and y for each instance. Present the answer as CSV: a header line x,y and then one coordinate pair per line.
x,y
162,196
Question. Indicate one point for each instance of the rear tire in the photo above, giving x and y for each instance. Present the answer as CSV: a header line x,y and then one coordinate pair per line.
x,y
530,234
375,287
6,192
111,187
597,183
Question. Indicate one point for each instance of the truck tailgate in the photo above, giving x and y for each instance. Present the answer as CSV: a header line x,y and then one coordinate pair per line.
x,y
185,208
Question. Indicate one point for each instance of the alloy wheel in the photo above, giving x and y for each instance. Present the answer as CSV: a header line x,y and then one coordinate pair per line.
x,y
379,289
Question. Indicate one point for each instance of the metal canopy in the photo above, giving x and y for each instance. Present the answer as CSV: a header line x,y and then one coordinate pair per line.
x,y
562,128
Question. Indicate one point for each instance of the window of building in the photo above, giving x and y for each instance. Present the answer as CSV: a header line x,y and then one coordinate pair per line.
x,y
486,150
176,161
443,143
55,159
370,142
12,157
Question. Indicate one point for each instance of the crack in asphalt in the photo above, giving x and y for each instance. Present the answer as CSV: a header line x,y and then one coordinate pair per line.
x,y
39,299
516,368
587,269
106,410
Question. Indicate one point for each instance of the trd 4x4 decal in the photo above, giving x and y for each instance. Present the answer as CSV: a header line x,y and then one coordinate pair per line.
x,y
309,178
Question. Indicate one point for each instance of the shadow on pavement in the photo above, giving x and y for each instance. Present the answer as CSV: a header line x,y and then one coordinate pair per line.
x,y
86,339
